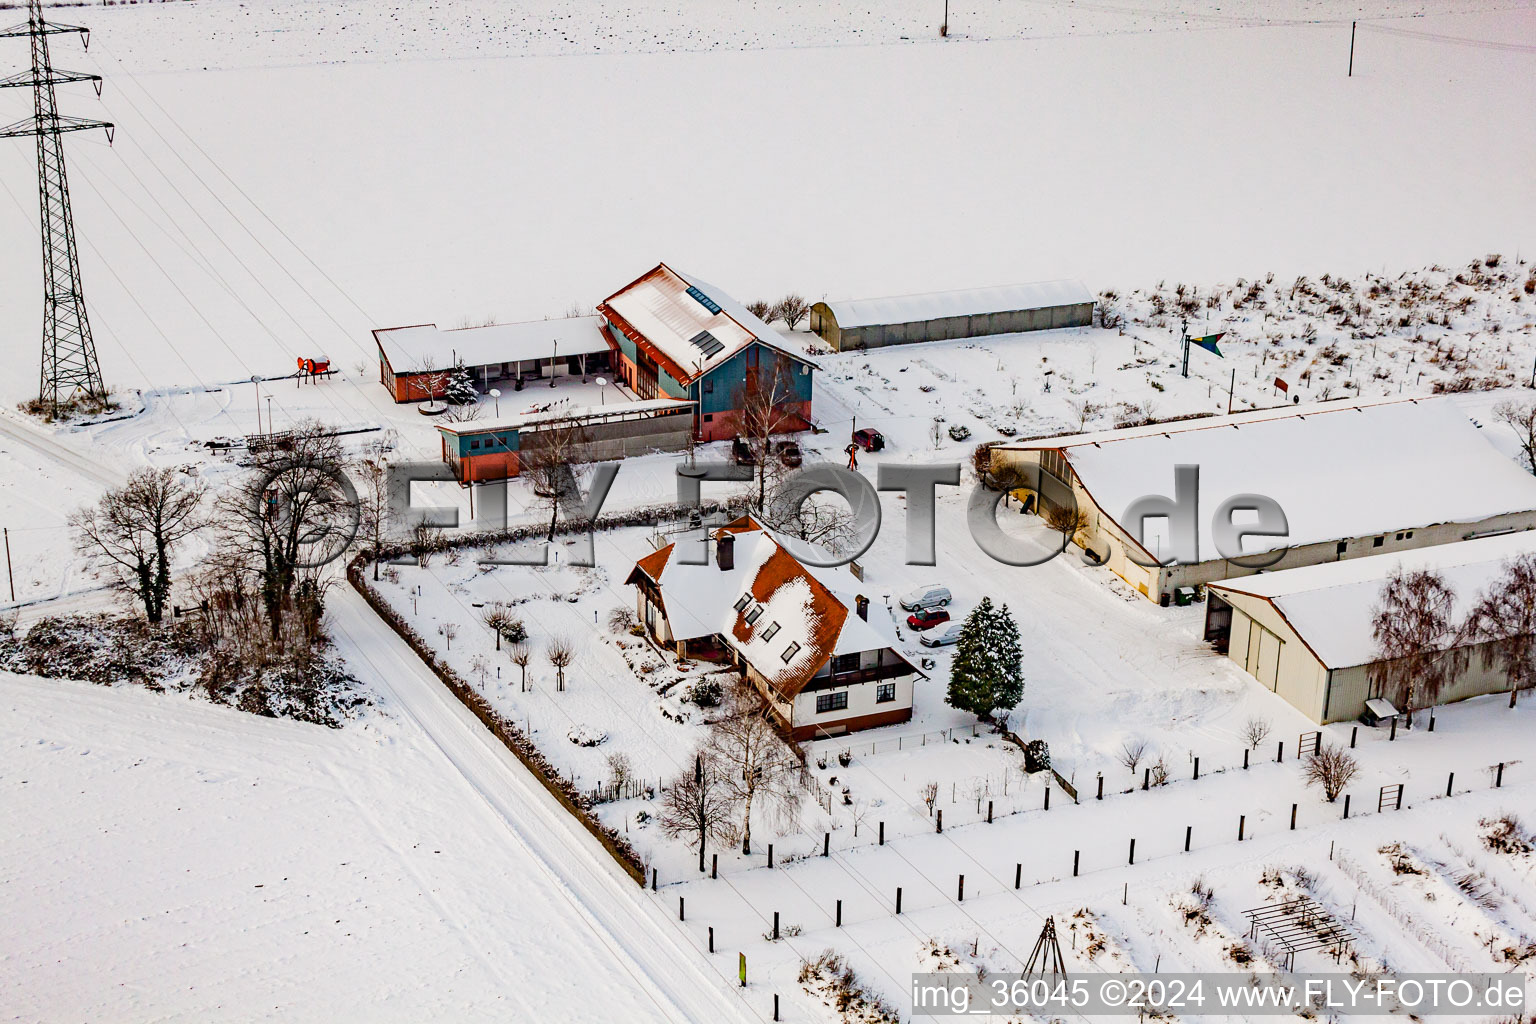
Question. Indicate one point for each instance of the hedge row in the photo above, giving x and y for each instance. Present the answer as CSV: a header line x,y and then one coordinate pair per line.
x,y
648,515
502,728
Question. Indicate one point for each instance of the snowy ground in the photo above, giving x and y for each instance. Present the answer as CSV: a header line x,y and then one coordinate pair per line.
x,y
177,862
289,175
491,185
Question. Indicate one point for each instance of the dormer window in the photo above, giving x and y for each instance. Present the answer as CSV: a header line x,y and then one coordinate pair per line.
x,y
790,651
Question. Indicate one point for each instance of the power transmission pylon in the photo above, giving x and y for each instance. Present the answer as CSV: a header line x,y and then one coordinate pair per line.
x,y
69,355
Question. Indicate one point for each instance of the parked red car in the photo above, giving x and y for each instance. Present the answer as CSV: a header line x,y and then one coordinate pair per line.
x,y
870,439
927,619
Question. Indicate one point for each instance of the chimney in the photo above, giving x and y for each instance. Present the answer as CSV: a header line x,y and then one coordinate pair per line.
x,y
861,605
725,551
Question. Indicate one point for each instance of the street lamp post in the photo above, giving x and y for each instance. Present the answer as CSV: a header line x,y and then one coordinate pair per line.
x,y
602,390
495,394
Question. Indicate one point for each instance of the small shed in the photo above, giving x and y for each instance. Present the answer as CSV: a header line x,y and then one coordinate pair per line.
x,y
946,316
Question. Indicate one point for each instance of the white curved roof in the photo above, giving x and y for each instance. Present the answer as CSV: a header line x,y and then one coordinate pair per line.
x,y
907,309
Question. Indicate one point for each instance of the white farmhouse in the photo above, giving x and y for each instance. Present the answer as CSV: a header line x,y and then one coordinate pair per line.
x,y
800,634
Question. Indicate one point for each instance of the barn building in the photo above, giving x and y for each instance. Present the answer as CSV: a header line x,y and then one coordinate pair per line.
x,y
946,316
1353,478
1306,633
414,361
676,336
481,450
803,636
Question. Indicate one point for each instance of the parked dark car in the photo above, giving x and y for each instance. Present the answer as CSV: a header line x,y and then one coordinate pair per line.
x,y
870,439
741,451
789,454
927,618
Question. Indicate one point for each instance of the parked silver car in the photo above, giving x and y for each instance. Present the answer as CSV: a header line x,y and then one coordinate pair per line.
x,y
930,595
942,637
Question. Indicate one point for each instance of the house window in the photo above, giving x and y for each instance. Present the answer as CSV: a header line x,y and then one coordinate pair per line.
x,y
709,417
845,663
831,702
1399,537
790,651
885,693
771,631
1379,541
742,602
709,385
474,444
1409,535
1342,546
754,614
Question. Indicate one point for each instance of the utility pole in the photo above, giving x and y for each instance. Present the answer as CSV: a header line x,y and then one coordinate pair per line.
x,y
1230,389
9,575
1184,340
944,28
69,364
1352,49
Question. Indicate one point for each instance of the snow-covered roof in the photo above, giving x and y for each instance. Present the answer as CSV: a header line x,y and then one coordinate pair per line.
x,y
424,347
1339,470
691,325
561,413
812,609
1330,605
906,309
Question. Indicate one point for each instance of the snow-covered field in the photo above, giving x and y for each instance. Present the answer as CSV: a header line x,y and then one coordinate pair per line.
x,y
289,174
435,165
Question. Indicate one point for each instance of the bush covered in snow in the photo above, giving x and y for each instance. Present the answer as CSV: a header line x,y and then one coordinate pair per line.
x,y
308,686
585,735
830,979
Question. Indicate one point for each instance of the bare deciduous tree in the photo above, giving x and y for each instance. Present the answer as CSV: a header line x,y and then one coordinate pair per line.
x,y
763,311
1131,753
792,308
697,806
1254,731
1521,418
521,654
561,652
1332,767
761,404
499,619
1504,621
375,513
550,458
289,517
759,768
930,795
1067,520
449,632
1084,409
134,531
825,521
1413,632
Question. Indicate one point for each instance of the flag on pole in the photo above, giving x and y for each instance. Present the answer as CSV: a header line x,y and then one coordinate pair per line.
x,y
1209,343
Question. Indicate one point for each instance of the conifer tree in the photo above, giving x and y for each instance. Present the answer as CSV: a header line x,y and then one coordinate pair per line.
x,y
460,389
987,673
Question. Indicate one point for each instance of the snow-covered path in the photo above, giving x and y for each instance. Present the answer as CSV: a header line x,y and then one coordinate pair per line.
x,y
630,931
173,861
